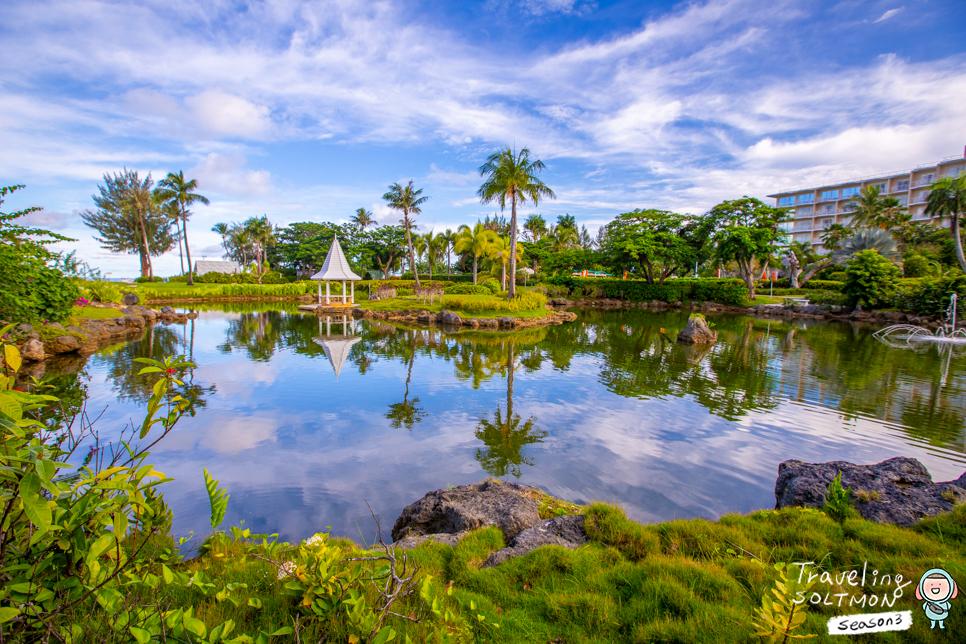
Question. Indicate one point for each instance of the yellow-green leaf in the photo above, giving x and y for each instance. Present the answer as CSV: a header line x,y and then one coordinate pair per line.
x,y
7,613
12,355
142,636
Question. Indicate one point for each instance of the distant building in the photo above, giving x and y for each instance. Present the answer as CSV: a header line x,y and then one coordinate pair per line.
x,y
228,268
816,208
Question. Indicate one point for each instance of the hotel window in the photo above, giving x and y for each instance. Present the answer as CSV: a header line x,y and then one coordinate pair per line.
x,y
809,198
827,209
903,185
786,201
903,199
881,187
846,221
952,172
804,224
849,207
828,195
803,237
826,223
850,192
803,211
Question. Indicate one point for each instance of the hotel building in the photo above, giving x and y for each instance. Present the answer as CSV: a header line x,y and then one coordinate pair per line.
x,y
816,208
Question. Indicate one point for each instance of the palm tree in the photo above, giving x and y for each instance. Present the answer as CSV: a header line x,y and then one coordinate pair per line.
x,y
499,250
948,199
873,210
512,176
449,240
419,249
174,189
475,241
223,230
867,239
567,221
536,225
261,233
140,199
407,201
363,219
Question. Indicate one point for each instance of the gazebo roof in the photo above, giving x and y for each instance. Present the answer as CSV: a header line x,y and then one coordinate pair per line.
x,y
336,267
337,349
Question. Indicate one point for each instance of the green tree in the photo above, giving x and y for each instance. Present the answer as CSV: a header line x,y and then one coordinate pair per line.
x,y
948,199
180,194
499,251
653,243
567,221
747,232
512,176
407,201
475,241
223,230
870,279
363,219
874,210
129,220
262,234
449,239
536,225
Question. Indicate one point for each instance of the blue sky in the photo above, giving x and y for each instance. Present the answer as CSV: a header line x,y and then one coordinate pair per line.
x,y
305,111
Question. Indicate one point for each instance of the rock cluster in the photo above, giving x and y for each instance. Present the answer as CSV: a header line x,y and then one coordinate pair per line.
x,y
445,516
898,491
697,331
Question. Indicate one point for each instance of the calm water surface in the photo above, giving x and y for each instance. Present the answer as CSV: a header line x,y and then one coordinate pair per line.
x,y
303,424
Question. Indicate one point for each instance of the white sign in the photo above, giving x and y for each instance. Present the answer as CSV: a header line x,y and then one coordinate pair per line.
x,y
870,623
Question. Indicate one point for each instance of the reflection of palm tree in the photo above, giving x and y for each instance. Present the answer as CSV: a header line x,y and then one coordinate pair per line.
x,y
408,412
504,436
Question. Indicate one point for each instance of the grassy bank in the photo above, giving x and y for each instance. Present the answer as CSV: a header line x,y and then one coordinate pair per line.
x,y
680,581
480,306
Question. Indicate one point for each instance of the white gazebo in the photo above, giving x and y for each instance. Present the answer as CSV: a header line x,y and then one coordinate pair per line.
x,y
337,346
336,269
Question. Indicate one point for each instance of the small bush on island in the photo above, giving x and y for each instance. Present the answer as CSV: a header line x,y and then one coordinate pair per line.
x,y
726,291
467,289
492,284
524,301
871,279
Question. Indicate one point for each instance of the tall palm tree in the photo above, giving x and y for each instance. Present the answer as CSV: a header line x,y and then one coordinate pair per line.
x,y
223,230
475,241
363,218
419,249
175,190
948,199
499,251
567,221
262,235
875,211
536,225
512,176
140,199
407,201
449,240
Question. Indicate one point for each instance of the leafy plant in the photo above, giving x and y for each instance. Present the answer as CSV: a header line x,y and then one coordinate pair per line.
x,y
778,618
217,498
871,279
838,501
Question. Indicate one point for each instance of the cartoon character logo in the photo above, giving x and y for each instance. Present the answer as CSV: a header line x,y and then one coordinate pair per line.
x,y
936,589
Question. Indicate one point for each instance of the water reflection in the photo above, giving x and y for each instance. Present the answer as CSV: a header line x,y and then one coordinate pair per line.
x,y
302,419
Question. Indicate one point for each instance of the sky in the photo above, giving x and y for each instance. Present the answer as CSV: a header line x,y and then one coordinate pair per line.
x,y
306,111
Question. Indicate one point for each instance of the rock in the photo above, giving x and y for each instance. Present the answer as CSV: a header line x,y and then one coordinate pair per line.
x,y
130,299
358,313
566,531
895,316
32,350
860,315
507,322
810,309
468,507
837,308
442,537
898,491
192,316
426,317
560,301
24,330
677,304
449,317
565,316
133,321
488,323
697,332
63,344
167,310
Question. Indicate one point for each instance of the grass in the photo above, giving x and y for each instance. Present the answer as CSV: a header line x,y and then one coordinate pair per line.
x,y
93,313
761,298
681,581
398,304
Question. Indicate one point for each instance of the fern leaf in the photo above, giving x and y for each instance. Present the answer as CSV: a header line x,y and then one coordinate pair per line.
x,y
217,498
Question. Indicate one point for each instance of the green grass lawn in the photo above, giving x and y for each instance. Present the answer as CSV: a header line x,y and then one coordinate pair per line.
x,y
687,581
417,305
93,313
761,298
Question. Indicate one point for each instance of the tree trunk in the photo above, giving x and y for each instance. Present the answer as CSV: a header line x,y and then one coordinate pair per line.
x,y
794,268
412,252
147,249
474,268
180,251
748,272
143,256
512,291
509,385
811,269
184,223
447,262
502,276
957,241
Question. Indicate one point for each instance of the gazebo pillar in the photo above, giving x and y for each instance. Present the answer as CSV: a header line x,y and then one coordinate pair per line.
x,y
343,292
320,294
327,292
352,286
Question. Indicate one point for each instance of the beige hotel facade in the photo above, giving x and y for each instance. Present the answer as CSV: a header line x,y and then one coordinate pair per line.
x,y
816,208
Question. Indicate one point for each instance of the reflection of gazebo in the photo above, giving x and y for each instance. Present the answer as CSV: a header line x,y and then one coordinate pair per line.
x,y
336,268
337,346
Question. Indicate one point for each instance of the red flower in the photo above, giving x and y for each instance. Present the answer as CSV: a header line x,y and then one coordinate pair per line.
x,y
170,371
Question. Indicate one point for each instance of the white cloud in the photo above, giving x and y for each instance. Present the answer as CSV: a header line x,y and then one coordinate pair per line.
x,y
228,176
888,14
225,115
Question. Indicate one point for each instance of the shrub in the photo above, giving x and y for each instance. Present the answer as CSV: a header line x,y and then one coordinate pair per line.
x,y
467,289
726,291
821,285
931,295
917,266
871,279
838,276
493,285
102,291
179,279
30,290
147,280
270,277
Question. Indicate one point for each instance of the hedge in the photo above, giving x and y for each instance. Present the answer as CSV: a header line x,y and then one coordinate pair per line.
x,y
818,285
437,277
229,290
467,289
727,291
525,301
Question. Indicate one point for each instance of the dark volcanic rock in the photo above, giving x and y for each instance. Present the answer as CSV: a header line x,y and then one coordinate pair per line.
x,y
32,349
898,491
697,332
448,317
167,310
468,507
566,531
442,537
130,299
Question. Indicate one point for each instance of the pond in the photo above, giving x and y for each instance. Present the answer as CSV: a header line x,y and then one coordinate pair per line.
x,y
303,424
